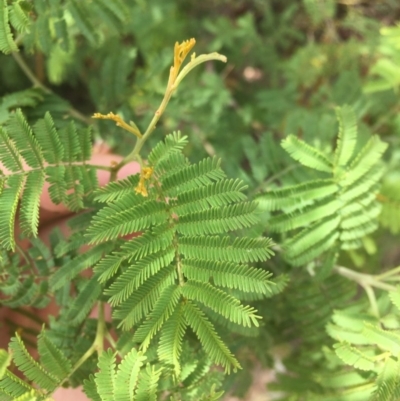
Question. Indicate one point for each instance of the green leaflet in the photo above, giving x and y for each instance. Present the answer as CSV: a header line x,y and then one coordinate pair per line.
x,y
172,144
311,235
49,140
7,44
116,190
218,219
384,339
211,195
30,203
291,196
227,274
171,340
52,358
347,136
25,142
117,384
142,301
12,386
210,340
31,369
336,211
5,359
148,385
352,356
220,302
132,214
162,311
135,275
8,203
19,18
306,154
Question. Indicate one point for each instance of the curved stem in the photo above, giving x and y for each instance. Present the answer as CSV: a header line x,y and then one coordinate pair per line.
x,y
100,167
389,273
110,339
368,282
36,83
98,343
28,72
101,329
365,280
372,300
173,83
151,127
265,183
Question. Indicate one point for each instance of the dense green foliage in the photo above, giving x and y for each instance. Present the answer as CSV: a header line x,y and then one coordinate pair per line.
x,y
266,235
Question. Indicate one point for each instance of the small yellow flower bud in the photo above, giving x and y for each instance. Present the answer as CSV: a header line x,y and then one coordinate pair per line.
x,y
145,174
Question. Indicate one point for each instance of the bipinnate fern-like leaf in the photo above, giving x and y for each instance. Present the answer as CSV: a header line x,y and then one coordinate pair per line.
x,y
364,362
29,156
189,254
371,349
338,210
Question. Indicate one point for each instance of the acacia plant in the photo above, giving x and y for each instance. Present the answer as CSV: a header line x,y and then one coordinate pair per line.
x,y
189,265
181,251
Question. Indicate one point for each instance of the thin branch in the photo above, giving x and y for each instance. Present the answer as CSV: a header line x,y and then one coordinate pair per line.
x,y
28,72
36,83
389,273
365,280
97,345
265,183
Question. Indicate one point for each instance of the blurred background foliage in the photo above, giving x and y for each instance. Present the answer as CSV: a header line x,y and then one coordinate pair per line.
x,y
290,63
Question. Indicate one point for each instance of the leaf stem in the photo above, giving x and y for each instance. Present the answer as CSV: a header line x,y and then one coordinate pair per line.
x,y
36,83
368,282
98,343
171,88
389,273
372,300
265,183
28,72
365,280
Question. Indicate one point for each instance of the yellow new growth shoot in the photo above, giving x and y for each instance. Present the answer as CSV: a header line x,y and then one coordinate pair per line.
x,y
119,122
180,53
176,74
